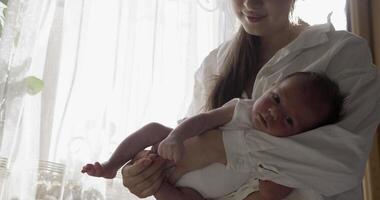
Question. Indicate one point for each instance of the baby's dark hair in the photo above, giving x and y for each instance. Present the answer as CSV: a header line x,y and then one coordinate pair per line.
x,y
326,90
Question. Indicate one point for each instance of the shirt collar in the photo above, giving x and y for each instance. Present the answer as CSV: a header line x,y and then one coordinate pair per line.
x,y
310,37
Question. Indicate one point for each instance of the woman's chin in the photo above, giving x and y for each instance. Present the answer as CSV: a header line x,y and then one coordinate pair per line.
x,y
252,30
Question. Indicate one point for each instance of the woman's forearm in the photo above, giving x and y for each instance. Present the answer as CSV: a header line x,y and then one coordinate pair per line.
x,y
167,192
170,192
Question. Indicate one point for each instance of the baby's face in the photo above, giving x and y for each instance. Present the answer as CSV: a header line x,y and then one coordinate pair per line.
x,y
284,110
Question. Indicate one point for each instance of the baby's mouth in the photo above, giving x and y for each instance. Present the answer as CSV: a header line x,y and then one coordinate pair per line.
x,y
262,120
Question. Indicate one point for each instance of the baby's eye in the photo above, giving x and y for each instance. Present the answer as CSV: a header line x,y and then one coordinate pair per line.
x,y
289,121
276,98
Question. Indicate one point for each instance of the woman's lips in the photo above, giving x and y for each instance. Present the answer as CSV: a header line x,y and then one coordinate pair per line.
x,y
254,18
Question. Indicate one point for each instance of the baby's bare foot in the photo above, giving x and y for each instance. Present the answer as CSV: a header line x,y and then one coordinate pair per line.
x,y
99,170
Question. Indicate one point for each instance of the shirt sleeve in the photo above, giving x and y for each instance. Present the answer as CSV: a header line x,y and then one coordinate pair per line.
x,y
202,83
205,78
330,159
241,119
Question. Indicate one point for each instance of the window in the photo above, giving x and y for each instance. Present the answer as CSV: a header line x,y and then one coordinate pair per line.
x,y
317,11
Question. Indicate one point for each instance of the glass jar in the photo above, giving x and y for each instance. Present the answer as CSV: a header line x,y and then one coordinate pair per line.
x,y
4,173
50,180
3,162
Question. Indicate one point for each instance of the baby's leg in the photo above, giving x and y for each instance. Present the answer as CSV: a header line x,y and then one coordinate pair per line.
x,y
146,136
170,192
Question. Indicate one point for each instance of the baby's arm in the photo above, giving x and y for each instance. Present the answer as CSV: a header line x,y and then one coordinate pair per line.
x,y
172,147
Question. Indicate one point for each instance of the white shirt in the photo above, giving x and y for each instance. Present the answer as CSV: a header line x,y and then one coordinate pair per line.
x,y
330,160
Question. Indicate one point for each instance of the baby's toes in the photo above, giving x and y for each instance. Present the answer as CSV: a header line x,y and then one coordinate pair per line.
x,y
87,167
98,170
92,170
98,167
97,164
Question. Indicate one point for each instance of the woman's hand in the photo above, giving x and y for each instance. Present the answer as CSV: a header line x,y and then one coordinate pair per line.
x,y
144,175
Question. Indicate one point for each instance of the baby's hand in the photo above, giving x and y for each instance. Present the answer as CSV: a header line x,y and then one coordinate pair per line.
x,y
171,148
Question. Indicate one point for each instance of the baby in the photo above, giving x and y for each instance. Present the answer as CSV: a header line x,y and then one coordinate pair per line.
x,y
297,103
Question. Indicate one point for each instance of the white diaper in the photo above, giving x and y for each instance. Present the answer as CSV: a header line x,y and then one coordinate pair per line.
x,y
213,181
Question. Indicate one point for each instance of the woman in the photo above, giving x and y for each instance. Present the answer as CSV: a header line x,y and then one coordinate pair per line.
x,y
325,163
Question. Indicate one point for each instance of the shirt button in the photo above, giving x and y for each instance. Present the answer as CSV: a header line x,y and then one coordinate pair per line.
x,y
240,161
260,168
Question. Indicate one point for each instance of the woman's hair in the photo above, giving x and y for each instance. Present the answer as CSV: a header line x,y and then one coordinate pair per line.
x,y
240,68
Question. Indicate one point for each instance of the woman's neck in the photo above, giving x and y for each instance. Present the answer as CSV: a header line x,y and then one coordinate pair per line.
x,y
270,44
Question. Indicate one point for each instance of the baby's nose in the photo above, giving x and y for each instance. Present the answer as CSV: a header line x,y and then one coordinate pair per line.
x,y
274,112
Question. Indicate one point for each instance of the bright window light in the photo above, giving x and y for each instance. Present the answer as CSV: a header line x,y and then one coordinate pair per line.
x,y
317,11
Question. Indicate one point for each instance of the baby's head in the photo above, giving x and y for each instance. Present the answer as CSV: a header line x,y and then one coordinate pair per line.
x,y
297,103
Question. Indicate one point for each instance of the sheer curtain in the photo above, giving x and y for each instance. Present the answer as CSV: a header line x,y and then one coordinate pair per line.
x,y
108,68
